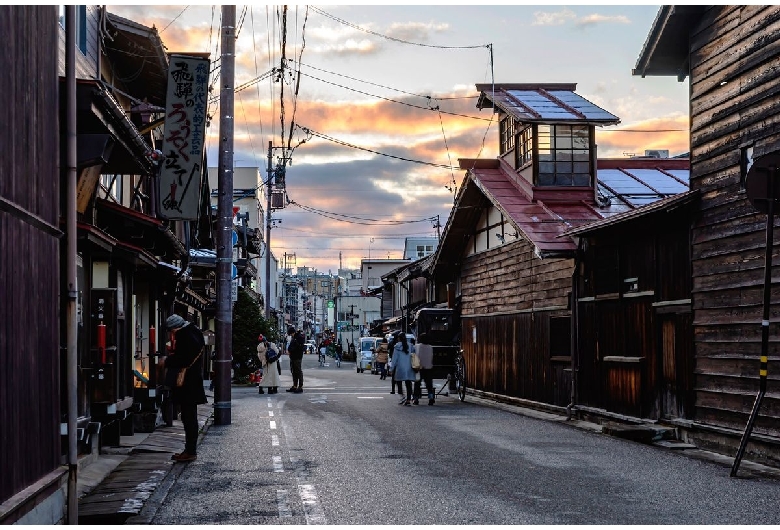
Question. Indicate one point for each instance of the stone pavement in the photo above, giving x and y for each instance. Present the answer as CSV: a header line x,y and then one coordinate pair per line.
x,y
116,488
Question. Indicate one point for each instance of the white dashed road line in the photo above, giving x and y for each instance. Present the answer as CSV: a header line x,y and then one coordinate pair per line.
x,y
282,503
311,504
278,467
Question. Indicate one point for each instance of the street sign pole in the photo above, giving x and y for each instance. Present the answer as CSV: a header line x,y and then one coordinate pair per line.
x,y
762,188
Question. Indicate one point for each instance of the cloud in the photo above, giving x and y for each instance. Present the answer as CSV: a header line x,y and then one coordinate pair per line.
x,y
594,19
558,18
670,132
414,31
543,18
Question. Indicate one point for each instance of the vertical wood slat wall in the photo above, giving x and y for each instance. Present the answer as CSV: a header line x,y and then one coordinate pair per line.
x,y
512,353
29,261
735,97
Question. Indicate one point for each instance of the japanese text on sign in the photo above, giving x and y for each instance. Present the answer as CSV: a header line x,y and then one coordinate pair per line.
x,y
185,123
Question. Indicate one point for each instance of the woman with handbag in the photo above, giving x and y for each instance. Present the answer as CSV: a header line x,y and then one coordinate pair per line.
x,y
402,366
187,387
268,354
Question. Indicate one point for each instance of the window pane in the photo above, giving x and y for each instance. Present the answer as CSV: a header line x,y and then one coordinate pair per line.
x,y
563,155
581,180
563,167
563,142
546,167
582,155
546,179
580,143
581,167
563,179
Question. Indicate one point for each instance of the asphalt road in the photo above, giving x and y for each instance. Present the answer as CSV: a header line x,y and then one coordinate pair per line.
x,y
345,452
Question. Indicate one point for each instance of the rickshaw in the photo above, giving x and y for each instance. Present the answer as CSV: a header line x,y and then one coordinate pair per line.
x,y
443,335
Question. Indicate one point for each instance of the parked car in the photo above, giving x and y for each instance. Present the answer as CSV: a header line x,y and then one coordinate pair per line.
x,y
366,354
310,347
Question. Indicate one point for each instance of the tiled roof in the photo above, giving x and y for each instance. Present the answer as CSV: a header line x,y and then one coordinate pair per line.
x,y
627,183
540,223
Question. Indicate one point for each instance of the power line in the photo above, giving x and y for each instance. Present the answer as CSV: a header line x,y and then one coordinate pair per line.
x,y
384,86
354,26
174,20
354,219
334,140
395,100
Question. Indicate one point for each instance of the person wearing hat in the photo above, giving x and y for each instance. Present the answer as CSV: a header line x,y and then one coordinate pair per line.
x,y
295,349
270,369
187,353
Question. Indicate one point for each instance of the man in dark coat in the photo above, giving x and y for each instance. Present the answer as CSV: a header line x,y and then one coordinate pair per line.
x,y
295,351
187,341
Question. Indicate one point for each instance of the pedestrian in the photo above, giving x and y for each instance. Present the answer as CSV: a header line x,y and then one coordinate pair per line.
x,y
295,351
187,348
268,354
391,350
425,353
402,367
381,358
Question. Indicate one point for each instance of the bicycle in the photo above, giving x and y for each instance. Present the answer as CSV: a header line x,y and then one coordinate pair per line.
x,y
322,359
338,360
460,376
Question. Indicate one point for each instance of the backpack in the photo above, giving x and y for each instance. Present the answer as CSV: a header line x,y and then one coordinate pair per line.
x,y
272,354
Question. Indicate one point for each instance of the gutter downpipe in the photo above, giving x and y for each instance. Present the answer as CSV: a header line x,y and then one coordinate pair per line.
x,y
575,328
70,230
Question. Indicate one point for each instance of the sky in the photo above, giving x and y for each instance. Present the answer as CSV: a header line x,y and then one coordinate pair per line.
x,y
383,103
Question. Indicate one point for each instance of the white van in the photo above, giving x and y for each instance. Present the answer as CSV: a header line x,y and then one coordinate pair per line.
x,y
365,356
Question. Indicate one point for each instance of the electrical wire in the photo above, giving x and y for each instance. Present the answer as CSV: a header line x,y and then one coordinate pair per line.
x,y
174,20
382,86
395,100
354,26
345,144
354,219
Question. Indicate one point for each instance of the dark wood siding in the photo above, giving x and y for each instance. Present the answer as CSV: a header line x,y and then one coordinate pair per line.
x,y
29,270
735,97
634,337
509,296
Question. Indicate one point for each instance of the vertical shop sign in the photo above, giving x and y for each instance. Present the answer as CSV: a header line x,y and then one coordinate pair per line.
x,y
185,124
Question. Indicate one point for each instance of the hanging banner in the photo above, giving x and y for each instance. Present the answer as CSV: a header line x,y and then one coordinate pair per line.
x,y
185,127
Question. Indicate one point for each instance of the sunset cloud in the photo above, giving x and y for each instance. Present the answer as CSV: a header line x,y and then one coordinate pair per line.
x,y
557,18
594,19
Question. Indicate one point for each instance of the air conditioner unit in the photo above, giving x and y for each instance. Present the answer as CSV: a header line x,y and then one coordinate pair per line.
x,y
657,153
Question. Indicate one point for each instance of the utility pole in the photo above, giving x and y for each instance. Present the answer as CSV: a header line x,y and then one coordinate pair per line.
x,y
224,317
71,276
352,323
268,235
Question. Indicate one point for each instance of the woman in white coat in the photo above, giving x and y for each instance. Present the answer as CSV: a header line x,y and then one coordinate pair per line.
x,y
270,370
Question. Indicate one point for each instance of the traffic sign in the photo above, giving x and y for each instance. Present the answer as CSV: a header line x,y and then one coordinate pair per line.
x,y
235,238
233,271
330,304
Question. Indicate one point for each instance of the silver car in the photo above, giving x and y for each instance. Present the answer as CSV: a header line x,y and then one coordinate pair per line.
x,y
365,357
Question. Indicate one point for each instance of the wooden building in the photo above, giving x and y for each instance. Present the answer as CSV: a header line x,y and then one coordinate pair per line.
x,y
730,55
633,354
30,238
514,267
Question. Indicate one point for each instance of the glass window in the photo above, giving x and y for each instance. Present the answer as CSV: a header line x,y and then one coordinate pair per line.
x,y
507,133
525,146
564,155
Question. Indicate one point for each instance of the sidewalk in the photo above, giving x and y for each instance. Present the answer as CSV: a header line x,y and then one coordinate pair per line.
x,y
116,487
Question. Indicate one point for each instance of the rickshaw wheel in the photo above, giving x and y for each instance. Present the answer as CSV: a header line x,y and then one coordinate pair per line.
x,y
460,380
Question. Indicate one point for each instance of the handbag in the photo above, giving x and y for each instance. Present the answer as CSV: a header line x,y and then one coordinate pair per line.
x,y
416,362
183,371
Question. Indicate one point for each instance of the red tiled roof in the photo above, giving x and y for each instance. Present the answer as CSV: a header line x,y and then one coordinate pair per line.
x,y
540,223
